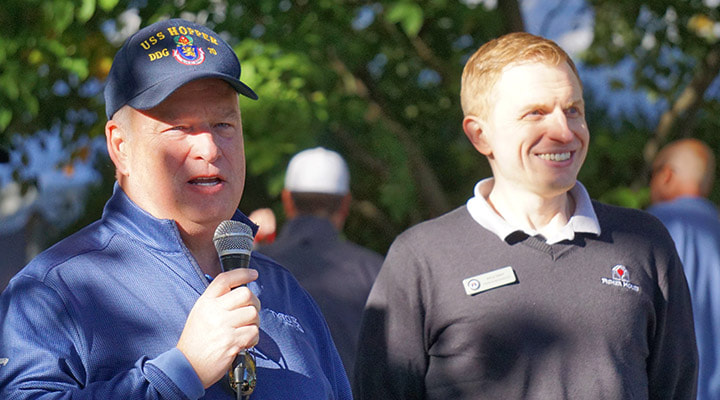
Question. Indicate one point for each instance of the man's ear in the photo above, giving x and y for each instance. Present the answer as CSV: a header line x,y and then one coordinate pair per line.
x,y
475,130
665,174
116,138
664,185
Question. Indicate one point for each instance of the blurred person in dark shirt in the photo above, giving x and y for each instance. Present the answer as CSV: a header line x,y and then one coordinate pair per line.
x,y
337,273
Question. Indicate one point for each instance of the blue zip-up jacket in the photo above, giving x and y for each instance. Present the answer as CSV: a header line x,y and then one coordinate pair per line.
x,y
98,316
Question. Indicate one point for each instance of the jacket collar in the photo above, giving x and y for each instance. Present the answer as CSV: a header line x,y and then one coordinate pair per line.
x,y
123,215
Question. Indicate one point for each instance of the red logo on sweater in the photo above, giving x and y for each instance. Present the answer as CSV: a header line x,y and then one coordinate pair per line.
x,y
620,272
620,278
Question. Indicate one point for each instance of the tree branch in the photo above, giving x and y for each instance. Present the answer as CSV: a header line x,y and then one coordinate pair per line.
x,y
426,181
424,52
359,153
510,12
683,111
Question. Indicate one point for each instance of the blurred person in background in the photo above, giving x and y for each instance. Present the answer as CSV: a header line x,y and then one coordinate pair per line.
x,y
265,219
682,178
337,273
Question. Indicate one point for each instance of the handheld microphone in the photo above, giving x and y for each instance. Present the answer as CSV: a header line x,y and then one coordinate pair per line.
x,y
234,241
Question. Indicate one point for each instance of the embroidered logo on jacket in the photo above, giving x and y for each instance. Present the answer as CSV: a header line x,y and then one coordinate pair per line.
x,y
287,320
4,361
620,278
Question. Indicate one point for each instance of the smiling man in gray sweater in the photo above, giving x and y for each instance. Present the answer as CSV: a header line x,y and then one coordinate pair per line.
x,y
531,290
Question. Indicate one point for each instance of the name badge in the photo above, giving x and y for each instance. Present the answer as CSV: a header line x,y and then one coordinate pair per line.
x,y
489,280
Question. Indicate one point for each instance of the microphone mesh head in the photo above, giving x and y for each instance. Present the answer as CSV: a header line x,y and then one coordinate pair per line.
x,y
233,237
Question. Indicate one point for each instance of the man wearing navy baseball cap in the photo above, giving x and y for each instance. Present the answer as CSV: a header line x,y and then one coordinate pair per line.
x,y
136,305
162,57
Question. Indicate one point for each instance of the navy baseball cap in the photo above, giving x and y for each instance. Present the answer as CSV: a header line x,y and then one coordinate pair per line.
x,y
162,57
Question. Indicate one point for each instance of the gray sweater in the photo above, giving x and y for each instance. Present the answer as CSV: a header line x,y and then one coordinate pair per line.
x,y
605,317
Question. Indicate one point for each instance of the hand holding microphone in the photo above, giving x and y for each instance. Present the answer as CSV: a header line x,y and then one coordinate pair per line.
x,y
225,319
234,242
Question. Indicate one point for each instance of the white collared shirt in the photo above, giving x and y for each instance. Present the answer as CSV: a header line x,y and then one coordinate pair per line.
x,y
583,219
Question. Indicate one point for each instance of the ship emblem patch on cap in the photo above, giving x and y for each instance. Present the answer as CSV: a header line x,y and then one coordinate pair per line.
x,y
187,53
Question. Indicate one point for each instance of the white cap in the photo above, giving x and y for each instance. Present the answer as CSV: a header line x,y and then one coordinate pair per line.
x,y
318,170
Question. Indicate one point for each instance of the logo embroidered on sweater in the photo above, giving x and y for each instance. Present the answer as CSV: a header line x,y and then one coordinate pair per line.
x,y
4,361
620,278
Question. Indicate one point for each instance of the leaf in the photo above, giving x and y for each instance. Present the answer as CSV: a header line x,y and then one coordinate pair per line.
x,y
108,5
5,118
409,15
59,13
78,66
9,86
626,197
86,10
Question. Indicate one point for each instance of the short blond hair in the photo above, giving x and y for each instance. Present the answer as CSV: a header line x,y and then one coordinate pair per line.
x,y
483,69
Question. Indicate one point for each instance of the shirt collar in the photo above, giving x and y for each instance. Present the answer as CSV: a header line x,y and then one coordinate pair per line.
x,y
584,219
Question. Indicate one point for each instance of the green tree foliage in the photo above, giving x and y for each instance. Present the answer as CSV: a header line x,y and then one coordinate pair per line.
x,y
52,54
675,50
377,81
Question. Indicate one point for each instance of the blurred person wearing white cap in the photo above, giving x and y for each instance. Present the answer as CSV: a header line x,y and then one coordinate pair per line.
x,y
337,273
